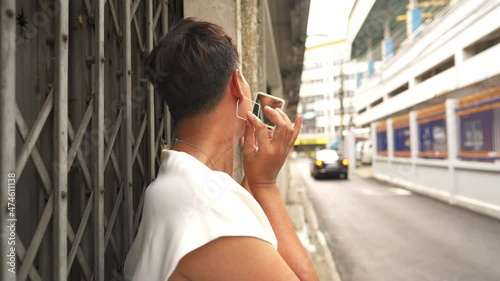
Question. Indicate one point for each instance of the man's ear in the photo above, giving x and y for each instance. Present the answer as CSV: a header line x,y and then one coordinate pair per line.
x,y
234,85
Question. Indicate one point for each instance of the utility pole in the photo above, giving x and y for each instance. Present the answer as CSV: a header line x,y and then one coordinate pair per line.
x,y
331,107
341,99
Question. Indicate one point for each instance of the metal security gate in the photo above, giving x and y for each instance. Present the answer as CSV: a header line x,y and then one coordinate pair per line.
x,y
81,132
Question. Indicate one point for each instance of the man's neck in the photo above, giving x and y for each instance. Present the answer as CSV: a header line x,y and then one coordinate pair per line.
x,y
207,143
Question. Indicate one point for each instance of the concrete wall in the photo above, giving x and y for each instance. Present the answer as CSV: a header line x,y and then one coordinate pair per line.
x,y
474,188
225,13
473,185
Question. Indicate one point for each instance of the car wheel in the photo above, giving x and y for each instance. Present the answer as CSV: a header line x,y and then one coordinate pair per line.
x,y
342,176
346,176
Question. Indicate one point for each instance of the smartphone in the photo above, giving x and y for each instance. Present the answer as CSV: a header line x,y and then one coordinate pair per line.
x,y
262,100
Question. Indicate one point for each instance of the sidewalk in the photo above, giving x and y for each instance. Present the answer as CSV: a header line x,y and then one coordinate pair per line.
x,y
365,172
305,222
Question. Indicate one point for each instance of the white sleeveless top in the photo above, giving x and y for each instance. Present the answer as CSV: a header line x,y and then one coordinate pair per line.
x,y
187,206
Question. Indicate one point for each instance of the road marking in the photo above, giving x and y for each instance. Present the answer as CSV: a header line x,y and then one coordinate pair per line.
x,y
367,191
390,191
400,191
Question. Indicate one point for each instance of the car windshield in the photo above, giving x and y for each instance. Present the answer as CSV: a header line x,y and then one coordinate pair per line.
x,y
327,155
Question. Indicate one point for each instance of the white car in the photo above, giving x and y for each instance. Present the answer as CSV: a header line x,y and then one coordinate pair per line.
x,y
359,149
366,152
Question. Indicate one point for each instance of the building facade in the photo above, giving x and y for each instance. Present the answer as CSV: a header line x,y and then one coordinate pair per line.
x,y
329,81
433,106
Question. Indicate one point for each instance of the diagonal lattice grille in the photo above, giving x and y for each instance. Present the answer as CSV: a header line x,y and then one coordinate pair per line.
x,y
89,205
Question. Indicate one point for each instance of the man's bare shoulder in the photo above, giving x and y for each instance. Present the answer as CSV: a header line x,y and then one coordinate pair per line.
x,y
233,258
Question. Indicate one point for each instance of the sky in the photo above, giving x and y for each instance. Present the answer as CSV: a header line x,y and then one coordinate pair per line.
x,y
328,17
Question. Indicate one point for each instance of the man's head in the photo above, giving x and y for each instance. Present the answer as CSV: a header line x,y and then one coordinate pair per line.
x,y
191,66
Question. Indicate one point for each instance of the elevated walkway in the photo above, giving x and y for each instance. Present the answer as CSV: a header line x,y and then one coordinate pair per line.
x,y
451,57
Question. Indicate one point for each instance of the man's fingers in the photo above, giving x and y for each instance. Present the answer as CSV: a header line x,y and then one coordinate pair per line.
x,y
289,130
285,117
260,129
277,119
296,129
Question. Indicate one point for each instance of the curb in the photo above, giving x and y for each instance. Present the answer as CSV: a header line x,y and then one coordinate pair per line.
x,y
305,222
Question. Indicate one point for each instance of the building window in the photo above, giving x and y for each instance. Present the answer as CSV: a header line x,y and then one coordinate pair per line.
x,y
432,133
347,110
479,137
473,133
312,65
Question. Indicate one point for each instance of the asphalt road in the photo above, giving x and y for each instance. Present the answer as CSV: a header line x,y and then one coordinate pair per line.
x,y
379,232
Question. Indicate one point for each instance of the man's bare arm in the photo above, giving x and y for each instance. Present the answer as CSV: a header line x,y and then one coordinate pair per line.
x,y
235,258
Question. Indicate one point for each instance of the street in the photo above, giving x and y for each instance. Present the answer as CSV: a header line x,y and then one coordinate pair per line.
x,y
380,232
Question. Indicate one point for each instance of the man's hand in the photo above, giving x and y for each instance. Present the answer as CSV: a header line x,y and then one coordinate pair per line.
x,y
263,164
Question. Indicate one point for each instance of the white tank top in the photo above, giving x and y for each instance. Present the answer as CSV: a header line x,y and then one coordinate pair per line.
x,y
187,206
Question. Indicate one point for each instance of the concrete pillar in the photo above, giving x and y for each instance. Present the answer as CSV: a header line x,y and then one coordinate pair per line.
x,y
225,13
369,52
412,82
452,126
390,147
390,139
459,56
412,173
261,50
413,136
250,39
271,73
374,145
350,149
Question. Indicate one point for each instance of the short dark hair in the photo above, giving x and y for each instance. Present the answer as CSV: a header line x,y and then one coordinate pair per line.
x,y
191,65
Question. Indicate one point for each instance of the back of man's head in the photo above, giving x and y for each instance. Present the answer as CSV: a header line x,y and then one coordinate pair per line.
x,y
190,67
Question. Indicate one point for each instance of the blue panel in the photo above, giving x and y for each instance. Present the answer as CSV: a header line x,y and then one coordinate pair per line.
x,y
416,19
389,48
382,141
496,128
371,67
359,76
